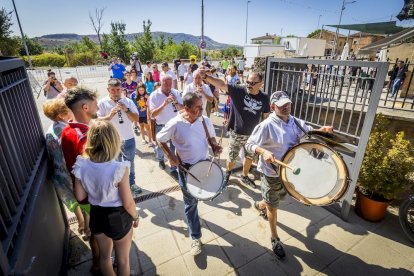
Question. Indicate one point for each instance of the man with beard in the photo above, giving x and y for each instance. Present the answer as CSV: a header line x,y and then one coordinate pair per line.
x,y
250,106
84,106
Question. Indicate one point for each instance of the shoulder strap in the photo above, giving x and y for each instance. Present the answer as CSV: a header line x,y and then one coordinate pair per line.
x,y
207,133
299,126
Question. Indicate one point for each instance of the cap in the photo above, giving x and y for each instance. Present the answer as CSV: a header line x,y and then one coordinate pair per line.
x,y
280,98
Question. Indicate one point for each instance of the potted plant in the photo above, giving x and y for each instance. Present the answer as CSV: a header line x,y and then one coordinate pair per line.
x,y
385,171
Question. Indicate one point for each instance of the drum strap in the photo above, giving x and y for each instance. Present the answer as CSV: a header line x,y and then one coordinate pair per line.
x,y
207,134
299,126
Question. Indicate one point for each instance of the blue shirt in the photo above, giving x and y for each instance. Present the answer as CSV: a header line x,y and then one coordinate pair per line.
x,y
118,71
150,86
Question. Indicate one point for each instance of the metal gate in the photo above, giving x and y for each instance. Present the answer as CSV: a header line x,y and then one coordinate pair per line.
x,y
344,94
33,227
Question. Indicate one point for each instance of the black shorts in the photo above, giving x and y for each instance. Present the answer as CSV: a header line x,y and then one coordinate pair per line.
x,y
143,120
181,78
240,72
114,222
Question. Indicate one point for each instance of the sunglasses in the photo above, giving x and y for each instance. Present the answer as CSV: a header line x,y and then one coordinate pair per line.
x,y
252,83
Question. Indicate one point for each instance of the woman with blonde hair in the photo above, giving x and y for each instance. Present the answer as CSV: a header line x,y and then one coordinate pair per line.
x,y
104,182
57,111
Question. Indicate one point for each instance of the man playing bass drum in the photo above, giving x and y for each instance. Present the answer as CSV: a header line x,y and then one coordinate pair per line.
x,y
271,139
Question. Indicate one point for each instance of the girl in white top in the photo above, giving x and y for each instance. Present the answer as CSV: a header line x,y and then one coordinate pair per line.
x,y
104,182
188,77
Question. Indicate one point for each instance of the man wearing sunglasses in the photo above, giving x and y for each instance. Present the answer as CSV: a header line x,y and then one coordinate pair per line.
x,y
250,106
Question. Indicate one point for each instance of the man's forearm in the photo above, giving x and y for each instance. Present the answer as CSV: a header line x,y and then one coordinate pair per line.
x,y
132,116
217,83
106,118
156,111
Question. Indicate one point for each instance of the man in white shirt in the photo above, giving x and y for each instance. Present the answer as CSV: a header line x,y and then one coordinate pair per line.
x,y
122,113
165,102
197,86
187,133
182,69
165,70
271,139
240,67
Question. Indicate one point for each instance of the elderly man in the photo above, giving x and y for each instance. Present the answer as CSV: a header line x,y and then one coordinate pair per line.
x,y
165,70
122,112
250,106
202,89
165,102
271,139
69,83
187,133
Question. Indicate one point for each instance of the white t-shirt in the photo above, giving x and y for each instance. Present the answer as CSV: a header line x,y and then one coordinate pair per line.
x,y
182,69
190,140
189,79
100,180
206,89
241,65
125,129
157,99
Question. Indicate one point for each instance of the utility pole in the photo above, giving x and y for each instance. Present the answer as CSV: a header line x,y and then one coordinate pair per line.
x,y
202,29
319,19
337,28
247,19
23,37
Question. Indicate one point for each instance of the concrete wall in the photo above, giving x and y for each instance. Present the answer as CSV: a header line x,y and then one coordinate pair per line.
x,y
403,51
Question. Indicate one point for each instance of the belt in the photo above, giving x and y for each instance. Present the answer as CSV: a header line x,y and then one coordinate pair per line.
x,y
161,125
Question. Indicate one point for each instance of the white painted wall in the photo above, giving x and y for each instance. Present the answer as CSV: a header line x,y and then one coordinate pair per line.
x,y
251,51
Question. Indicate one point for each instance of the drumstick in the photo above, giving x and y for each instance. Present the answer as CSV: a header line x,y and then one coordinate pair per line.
x,y
192,175
209,167
295,170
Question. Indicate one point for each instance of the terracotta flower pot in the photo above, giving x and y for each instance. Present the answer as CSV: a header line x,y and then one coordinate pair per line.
x,y
370,209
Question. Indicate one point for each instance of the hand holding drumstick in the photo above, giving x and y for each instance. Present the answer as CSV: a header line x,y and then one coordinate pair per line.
x,y
270,158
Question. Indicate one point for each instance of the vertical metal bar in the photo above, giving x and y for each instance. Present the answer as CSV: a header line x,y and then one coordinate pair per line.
x,y
365,97
344,107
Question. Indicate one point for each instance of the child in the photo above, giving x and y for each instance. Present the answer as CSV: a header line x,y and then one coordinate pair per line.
x,y
140,98
128,85
104,182
149,83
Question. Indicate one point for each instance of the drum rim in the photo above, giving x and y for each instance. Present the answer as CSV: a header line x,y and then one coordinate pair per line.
x,y
221,186
319,202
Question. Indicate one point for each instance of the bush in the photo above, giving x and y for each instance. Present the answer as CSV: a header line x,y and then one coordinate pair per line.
x,y
81,59
388,162
46,60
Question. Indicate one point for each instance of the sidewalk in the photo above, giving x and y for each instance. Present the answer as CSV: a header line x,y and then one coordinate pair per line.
x,y
237,241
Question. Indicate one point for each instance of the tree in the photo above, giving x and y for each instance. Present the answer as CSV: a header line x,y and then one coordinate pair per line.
x,y
144,44
118,45
314,33
170,41
9,46
232,51
97,23
160,43
33,46
185,49
105,43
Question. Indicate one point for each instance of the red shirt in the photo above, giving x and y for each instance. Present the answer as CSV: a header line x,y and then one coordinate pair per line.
x,y
73,141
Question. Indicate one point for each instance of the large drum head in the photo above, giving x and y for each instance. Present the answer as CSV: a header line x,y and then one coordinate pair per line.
x,y
323,174
209,186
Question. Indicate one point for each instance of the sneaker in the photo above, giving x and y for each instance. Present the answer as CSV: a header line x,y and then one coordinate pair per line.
x,y
262,212
135,189
151,144
278,248
144,142
136,130
248,181
161,164
226,178
174,174
195,247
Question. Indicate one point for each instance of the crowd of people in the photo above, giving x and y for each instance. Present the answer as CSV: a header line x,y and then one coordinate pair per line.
x,y
92,143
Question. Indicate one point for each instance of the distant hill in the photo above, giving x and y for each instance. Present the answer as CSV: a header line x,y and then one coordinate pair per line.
x,y
52,40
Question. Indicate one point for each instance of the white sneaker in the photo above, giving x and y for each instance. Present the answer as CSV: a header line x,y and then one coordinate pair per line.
x,y
195,247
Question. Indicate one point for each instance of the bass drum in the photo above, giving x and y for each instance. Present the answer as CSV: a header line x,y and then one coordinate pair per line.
x,y
323,177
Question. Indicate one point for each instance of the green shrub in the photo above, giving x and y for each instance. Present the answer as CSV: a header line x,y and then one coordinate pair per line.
x,y
388,162
81,59
46,60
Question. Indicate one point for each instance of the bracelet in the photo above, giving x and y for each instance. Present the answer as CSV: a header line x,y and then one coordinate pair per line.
x,y
136,218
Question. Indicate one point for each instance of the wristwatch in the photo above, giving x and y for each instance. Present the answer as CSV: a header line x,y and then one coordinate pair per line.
x,y
128,110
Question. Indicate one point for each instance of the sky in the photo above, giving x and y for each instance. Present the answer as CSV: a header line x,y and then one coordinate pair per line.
x,y
224,20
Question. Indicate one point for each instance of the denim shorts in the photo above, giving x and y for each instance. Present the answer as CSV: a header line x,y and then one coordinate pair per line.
x,y
272,190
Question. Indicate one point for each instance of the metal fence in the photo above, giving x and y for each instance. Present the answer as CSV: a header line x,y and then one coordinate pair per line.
x,y
402,100
323,93
27,204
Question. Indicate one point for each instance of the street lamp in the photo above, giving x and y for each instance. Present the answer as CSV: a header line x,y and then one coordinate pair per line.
x,y
23,37
337,28
247,19
202,30
319,19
